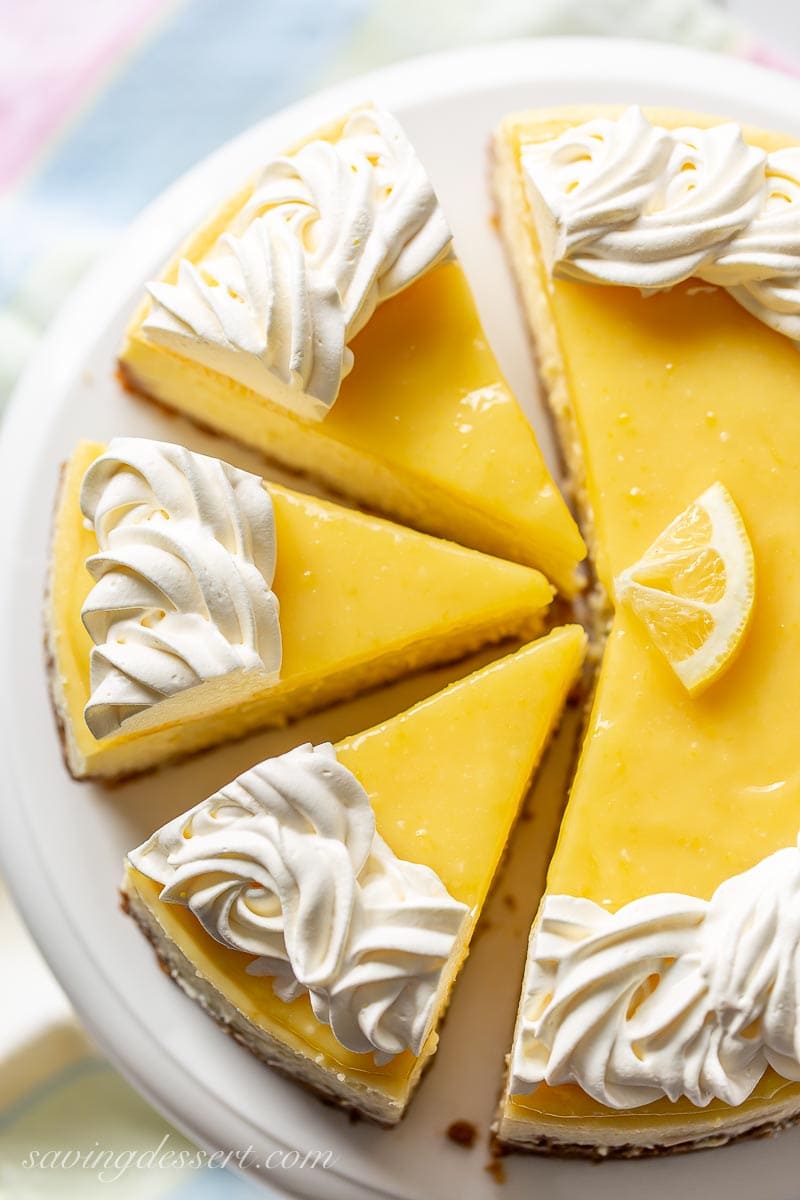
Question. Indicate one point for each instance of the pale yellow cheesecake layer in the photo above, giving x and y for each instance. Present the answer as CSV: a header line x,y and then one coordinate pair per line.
x,y
445,779
425,428
361,600
657,398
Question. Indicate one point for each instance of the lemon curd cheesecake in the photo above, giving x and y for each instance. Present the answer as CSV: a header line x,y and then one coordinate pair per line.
x,y
321,316
190,602
321,905
658,257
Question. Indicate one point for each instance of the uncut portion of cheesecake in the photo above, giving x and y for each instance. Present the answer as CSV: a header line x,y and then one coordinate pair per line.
x,y
359,601
445,781
384,387
685,804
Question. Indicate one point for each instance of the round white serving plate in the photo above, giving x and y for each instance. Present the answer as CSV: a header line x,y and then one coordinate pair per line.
x,y
62,843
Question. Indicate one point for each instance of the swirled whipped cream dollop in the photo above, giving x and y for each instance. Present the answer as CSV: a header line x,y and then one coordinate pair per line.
x,y
327,234
183,576
669,996
285,864
628,203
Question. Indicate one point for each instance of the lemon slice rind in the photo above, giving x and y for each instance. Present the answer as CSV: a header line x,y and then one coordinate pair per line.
x,y
718,625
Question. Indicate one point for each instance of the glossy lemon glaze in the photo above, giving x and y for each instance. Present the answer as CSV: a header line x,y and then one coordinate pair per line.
x,y
445,779
668,394
425,428
361,601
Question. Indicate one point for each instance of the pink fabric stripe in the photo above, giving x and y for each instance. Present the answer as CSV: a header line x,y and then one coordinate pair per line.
x,y
51,56
765,56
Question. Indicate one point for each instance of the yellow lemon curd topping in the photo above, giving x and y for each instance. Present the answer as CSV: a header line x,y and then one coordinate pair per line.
x,y
675,793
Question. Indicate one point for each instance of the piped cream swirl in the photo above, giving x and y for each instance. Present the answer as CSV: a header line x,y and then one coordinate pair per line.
x,y
627,203
186,557
669,996
285,864
761,267
327,234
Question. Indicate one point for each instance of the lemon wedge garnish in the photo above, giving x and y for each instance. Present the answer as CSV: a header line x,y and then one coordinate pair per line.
x,y
694,588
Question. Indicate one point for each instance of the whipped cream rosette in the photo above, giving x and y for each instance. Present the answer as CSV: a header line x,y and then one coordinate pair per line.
x,y
183,571
285,864
326,235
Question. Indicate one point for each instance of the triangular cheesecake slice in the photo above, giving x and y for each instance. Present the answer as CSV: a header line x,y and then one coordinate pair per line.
x,y
319,315
321,905
191,602
658,254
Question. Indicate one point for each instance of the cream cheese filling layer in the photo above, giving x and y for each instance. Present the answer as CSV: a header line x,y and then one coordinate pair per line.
x,y
285,864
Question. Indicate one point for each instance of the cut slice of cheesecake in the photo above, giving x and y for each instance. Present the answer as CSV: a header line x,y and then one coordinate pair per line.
x,y
172,635
320,316
659,1010
341,982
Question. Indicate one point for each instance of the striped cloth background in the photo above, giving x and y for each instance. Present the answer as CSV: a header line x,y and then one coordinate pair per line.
x,y
104,102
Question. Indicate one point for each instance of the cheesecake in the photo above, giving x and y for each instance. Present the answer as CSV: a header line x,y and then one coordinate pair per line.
x,y
190,602
320,315
321,905
657,255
